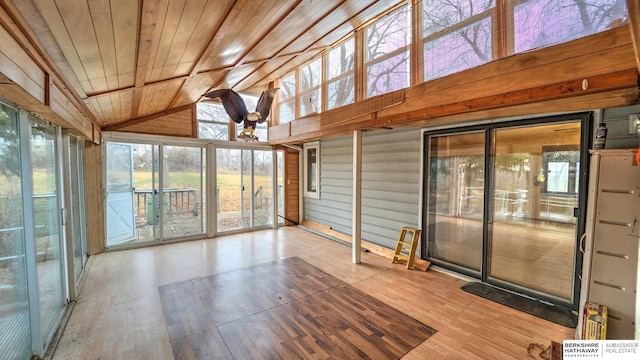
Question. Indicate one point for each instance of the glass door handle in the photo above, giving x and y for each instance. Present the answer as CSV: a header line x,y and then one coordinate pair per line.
x,y
582,239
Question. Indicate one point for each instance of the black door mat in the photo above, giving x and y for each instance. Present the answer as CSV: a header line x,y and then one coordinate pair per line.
x,y
534,307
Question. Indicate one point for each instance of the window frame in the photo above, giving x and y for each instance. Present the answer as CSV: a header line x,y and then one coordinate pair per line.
x,y
302,94
500,37
328,81
612,23
308,163
293,97
368,63
227,123
495,24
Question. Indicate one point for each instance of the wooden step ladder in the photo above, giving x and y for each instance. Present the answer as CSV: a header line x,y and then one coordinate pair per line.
x,y
406,250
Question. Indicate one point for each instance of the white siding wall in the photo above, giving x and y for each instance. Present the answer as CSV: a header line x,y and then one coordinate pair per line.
x,y
390,185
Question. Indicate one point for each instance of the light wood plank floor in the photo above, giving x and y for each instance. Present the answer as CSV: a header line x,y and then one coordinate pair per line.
x,y
119,313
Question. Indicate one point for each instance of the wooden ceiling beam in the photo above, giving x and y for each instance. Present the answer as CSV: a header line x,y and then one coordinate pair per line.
x,y
149,11
130,122
619,80
159,82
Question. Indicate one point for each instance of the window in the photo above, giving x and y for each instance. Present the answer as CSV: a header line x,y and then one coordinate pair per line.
x,y
340,74
560,171
262,129
312,170
387,52
310,80
213,121
287,98
452,36
456,35
539,23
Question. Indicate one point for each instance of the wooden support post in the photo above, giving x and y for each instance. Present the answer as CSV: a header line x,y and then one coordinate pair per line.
x,y
357,196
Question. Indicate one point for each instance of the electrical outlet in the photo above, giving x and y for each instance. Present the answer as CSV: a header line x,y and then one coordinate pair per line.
x,y
634,124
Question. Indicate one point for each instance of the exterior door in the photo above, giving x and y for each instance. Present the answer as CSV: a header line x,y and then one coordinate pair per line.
x,y
15,323
262,187
244,194
532,230
456,199
47,226
183,182
77,218
120,191
503,204
233,189
246,181
74,203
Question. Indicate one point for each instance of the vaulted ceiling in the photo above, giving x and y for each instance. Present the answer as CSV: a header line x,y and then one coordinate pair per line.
x,y
128,59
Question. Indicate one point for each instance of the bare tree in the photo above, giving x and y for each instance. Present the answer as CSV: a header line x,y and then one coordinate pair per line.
x,y
215,124
310,77
555,21
457,34
341,85
387,41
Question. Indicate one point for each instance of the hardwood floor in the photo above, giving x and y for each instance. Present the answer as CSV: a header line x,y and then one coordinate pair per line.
x,y
284,309
119,314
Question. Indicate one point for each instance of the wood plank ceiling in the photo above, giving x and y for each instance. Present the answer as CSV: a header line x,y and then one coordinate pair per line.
x,y
130,59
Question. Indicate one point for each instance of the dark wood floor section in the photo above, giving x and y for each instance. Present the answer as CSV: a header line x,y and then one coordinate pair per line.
x,y
286,309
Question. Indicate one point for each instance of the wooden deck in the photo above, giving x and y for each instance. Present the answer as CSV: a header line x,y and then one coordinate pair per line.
x,y
133,304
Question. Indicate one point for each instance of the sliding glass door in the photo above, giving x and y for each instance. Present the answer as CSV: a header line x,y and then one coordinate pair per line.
x,y
121,226
155,192
503,203
15,337
263,187
456,198
75,203
532,235
46,217
232,178
183,170
146,189
244,194
38,263
162,189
